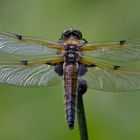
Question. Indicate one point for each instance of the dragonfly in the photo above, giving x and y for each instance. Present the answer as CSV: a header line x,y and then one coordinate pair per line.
x,y
72,60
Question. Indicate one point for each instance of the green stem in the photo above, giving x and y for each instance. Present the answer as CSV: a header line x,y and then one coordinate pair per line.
x,y
81,118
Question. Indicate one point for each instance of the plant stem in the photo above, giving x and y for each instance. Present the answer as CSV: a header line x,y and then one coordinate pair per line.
x,y
81,118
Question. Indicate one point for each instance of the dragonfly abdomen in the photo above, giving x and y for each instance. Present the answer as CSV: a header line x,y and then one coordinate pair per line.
x,y
70,93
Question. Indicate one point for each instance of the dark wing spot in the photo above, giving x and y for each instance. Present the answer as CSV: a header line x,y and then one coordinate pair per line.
x,y
122,42
82,69
24,62
93,65
59,69
116,67
19,37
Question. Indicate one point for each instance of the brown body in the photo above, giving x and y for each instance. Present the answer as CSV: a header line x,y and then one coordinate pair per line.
x,y
70,73
70,93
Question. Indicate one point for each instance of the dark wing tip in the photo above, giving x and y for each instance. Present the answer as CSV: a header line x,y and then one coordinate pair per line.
x,y
116,67
18,36
122,42
24,62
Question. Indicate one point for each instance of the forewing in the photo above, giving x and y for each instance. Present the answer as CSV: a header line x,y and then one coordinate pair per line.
x,y
22,75
121,51
20,45
109,80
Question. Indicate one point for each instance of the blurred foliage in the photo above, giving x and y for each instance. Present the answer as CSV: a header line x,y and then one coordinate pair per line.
x,y
37,113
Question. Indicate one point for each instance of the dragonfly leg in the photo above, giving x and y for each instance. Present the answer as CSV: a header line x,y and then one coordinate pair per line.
x,y
84,41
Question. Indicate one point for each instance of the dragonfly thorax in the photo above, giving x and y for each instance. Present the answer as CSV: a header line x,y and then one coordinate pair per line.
x,y
71,54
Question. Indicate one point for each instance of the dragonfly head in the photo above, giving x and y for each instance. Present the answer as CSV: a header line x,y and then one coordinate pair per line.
x,y
74,33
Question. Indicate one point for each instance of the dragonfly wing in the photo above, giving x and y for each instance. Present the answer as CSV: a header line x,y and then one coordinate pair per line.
x,y
21,45
112,81
111,78
121,51
30,73
41,75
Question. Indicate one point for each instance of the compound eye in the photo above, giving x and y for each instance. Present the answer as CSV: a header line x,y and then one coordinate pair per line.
x,y
71,33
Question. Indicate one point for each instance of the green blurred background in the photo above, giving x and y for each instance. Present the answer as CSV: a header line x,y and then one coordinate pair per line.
x,y
38,113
